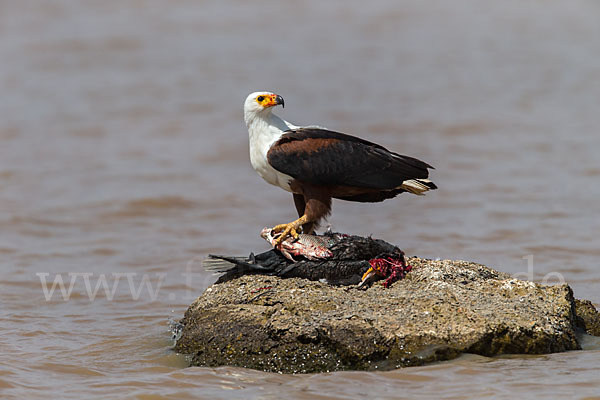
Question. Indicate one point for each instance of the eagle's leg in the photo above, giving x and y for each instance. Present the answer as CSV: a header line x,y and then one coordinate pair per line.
x,y
315,202
289,229
300,203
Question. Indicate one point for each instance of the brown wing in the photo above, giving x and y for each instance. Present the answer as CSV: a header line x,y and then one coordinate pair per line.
x,y
323,157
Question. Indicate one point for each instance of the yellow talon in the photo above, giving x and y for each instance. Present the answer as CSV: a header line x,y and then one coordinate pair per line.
x,y
288,230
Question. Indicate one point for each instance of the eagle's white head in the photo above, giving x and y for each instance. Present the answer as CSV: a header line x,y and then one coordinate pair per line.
x,y
260,103
264,129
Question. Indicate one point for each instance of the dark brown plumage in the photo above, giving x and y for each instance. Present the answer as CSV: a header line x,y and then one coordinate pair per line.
x,y
351,257
326,164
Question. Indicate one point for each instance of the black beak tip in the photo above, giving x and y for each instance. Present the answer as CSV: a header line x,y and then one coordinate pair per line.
x,y
280,101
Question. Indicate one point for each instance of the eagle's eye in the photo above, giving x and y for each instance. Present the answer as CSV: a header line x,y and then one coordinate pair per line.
x,y
260,99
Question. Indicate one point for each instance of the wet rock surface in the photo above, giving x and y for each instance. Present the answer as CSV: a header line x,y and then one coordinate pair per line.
x,y
440,310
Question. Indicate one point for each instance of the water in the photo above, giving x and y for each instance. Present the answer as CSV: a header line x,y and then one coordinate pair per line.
x,y
123,156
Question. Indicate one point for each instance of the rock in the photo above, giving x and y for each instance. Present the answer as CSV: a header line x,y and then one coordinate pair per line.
x,y
588,317
440,310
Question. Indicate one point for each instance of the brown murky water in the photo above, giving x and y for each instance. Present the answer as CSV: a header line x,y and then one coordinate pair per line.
x,y
123,161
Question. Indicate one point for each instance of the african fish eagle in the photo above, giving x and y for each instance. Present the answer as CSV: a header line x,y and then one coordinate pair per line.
x,y
316,165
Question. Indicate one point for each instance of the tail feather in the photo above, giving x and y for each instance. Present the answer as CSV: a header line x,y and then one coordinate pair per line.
x,y
216,264
220,264
418,186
